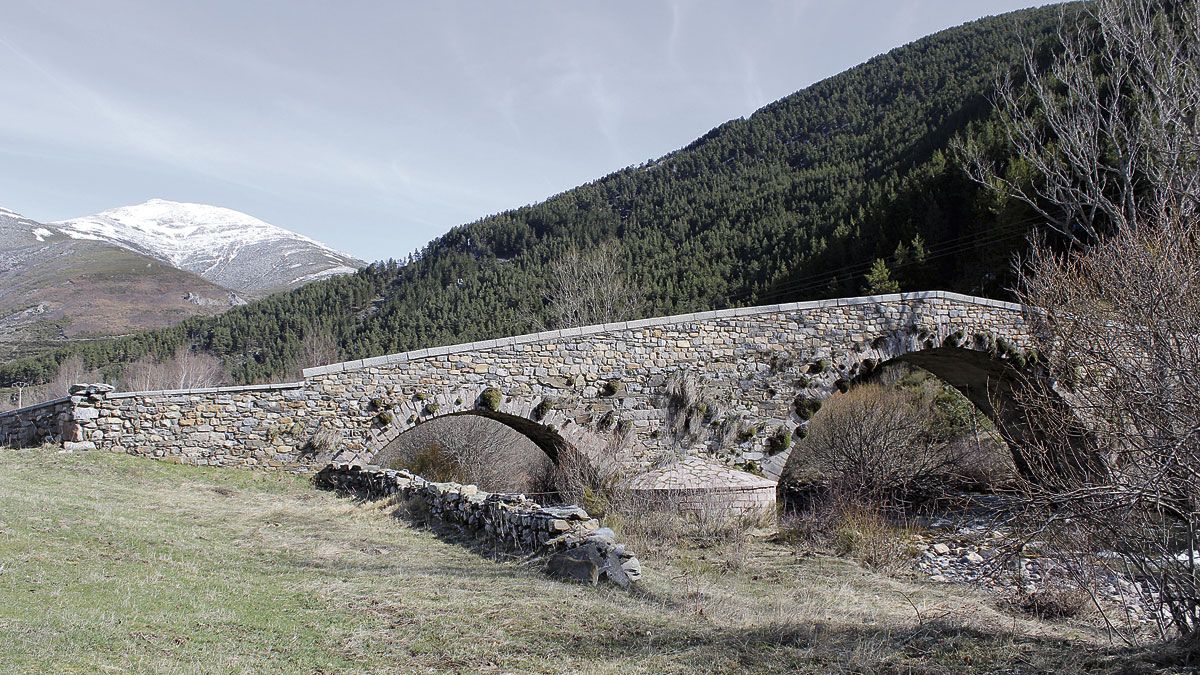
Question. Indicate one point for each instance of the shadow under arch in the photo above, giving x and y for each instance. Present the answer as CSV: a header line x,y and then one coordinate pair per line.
x,y
545,437
991,384
496,452
995,386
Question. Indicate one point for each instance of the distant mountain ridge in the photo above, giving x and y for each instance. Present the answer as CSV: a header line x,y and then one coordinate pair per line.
x,y
55,289
226,247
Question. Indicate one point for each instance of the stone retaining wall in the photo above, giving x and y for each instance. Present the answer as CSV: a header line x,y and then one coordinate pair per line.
x,y
36,424
508,521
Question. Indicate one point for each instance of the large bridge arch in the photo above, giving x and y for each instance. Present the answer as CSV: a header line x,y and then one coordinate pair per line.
x,y
989,368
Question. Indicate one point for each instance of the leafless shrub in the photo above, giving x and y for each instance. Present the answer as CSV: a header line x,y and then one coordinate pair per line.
x,y
1056,602
685,405
325,443
666,521
848,526
696,412
187,368
876,442
588,481
982,465
435,462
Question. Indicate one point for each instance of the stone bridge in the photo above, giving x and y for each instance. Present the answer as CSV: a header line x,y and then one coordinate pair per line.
x,y
735,386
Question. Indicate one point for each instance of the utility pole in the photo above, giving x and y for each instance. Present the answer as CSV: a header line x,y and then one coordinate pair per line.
x,y
20,391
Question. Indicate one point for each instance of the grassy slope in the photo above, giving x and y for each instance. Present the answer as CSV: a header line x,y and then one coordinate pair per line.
x,y
118,563
94,290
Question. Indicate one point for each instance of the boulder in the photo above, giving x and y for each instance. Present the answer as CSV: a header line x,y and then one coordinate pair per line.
x,y
580,564
621,567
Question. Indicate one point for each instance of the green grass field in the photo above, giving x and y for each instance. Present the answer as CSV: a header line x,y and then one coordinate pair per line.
x,y
113,563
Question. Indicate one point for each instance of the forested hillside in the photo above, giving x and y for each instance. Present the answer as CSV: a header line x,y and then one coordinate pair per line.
x,y
793,203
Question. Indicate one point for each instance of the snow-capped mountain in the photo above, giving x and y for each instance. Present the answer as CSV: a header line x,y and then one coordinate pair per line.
x,y
54,288
226,247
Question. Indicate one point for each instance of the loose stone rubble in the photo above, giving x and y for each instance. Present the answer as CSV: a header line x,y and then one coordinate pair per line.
x,y
578,548
969,551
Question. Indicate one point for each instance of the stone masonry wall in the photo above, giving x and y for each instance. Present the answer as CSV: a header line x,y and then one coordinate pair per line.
x,y
256,426
734,385
743,371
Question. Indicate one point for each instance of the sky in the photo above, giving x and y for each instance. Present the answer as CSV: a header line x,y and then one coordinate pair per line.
x,y
376,126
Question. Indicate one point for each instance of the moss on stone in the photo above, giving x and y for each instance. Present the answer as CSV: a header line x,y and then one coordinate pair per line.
x,y
779,441
612,388
490,399
543,408
806,407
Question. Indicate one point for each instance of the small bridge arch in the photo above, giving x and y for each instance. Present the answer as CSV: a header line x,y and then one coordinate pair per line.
x,y
541,419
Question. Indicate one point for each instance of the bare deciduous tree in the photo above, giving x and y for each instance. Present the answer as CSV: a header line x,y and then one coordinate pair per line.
x,y
186,369
1111,133
1110,130
590,287
1121,338
71,371
318,348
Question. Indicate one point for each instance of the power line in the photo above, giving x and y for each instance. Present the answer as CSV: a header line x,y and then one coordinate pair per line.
x,y
944,249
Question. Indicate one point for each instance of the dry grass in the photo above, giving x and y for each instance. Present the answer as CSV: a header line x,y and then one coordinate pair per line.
x,y
1055,602
853,529
112,562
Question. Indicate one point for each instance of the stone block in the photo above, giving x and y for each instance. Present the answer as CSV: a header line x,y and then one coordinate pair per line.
x,y
86,413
